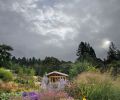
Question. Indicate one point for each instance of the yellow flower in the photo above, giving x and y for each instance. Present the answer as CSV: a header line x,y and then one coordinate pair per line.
x,y
84,98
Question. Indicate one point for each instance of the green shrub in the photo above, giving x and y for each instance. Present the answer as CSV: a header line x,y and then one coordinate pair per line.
x,y
5,75
80,67
7,96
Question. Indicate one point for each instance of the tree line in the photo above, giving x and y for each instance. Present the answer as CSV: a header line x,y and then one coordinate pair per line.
x,y
84,53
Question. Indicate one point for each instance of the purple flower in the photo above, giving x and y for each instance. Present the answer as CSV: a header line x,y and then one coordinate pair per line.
x,y
24,94
32,93
33,96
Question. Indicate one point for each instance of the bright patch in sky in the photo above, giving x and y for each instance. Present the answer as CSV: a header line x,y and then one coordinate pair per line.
x,y
106,43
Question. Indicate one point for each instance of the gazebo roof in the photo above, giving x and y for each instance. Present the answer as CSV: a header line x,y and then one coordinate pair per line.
x,y
56,72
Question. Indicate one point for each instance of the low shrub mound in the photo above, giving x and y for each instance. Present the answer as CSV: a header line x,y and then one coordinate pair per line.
x,y
5,75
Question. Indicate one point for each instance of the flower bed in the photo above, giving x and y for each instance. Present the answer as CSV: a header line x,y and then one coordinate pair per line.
x,y
43,95
46,95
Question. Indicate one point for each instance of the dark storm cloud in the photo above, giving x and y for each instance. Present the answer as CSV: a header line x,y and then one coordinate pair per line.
x,y
55,27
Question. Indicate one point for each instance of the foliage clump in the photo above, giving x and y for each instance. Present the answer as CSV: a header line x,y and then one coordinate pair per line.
x,y
80,67
5,75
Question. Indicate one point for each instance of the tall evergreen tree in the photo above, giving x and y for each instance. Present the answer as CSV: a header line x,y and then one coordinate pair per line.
x,y
118,54
14,59
5,54
24,61
112,53
85,51
113,59
33,60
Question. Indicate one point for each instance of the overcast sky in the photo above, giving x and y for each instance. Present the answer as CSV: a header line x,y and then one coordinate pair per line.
x,y
55,27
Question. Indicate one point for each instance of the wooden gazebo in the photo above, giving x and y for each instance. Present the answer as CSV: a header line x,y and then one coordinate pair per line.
x,y
55,76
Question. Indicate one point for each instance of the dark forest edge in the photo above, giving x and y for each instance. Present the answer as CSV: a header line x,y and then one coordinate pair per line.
x,y
86,60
